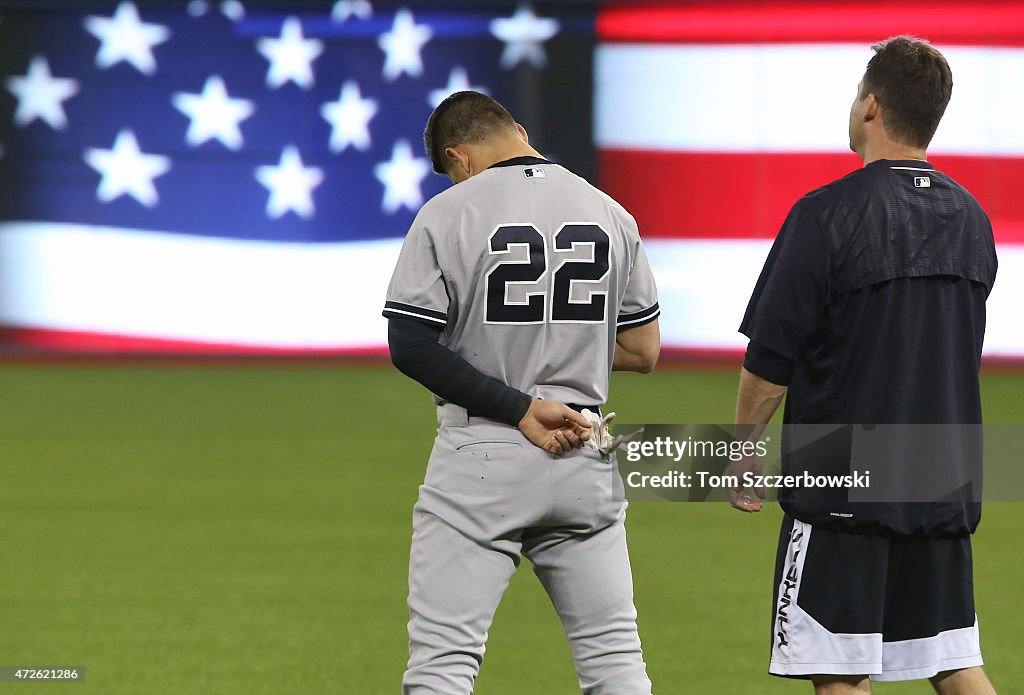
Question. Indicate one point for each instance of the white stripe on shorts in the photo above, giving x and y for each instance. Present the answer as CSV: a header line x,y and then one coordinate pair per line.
x,y
923,658
801,646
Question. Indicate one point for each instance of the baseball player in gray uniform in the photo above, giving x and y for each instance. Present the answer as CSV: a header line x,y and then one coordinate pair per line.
x,y
516,293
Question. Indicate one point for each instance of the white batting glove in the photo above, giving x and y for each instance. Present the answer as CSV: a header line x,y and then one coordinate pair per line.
x,y
602,438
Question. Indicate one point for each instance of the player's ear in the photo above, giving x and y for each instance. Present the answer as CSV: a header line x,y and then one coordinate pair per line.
x,y
523,134
871,108
458,165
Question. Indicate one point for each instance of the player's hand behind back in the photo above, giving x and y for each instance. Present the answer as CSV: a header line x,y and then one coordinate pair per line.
x,y
554,426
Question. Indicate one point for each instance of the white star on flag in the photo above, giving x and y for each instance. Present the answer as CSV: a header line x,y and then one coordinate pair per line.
x,y
290,184
458,81
233,10
523,34
197,8
125,169
349,117
402,46
343,9
401,178
291,55
213,114
41,95
124,37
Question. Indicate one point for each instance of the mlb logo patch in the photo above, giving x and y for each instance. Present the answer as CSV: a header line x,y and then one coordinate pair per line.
x,y
534,173
922,182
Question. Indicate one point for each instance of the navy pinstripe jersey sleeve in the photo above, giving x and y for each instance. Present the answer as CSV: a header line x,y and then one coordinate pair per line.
x,y
640,301
417,290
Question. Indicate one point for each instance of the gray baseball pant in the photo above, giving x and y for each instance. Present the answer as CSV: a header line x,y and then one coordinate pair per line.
x,y
490,497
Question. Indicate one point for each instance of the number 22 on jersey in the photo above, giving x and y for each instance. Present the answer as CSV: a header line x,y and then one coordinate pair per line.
x,y
561,308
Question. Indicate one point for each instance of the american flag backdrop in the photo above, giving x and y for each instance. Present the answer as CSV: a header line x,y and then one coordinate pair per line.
x,y
227,175
237,176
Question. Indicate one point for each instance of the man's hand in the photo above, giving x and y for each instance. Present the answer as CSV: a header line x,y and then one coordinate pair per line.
x,y
554,426
737,495
757,401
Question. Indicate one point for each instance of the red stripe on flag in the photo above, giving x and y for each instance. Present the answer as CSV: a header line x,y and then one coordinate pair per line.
x,y
104,343
974,23
715,194
748,195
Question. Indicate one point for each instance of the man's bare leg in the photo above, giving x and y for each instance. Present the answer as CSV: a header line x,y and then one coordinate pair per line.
x,y
841,685
965,681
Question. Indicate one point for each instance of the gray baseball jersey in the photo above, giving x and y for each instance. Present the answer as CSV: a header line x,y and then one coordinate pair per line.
x,y
530,271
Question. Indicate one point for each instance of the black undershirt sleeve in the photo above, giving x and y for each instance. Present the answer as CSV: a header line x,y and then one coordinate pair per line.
x,y
417,354
767,364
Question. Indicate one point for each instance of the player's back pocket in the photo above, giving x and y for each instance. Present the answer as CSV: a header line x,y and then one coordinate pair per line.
x,y
485,447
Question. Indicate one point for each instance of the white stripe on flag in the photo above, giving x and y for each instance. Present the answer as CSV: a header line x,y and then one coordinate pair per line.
x,y
785,97
272,295
179,287
704,287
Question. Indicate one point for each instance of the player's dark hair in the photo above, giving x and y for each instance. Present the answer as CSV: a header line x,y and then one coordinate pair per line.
x,y
463,118
912,82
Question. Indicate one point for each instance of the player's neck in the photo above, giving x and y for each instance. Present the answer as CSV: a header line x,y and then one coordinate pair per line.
x,y
506,151
893,151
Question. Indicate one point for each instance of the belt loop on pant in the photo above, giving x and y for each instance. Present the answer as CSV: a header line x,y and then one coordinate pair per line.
x,y
451,415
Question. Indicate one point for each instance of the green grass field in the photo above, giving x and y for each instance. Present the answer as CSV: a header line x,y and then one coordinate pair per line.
x,y
245,529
